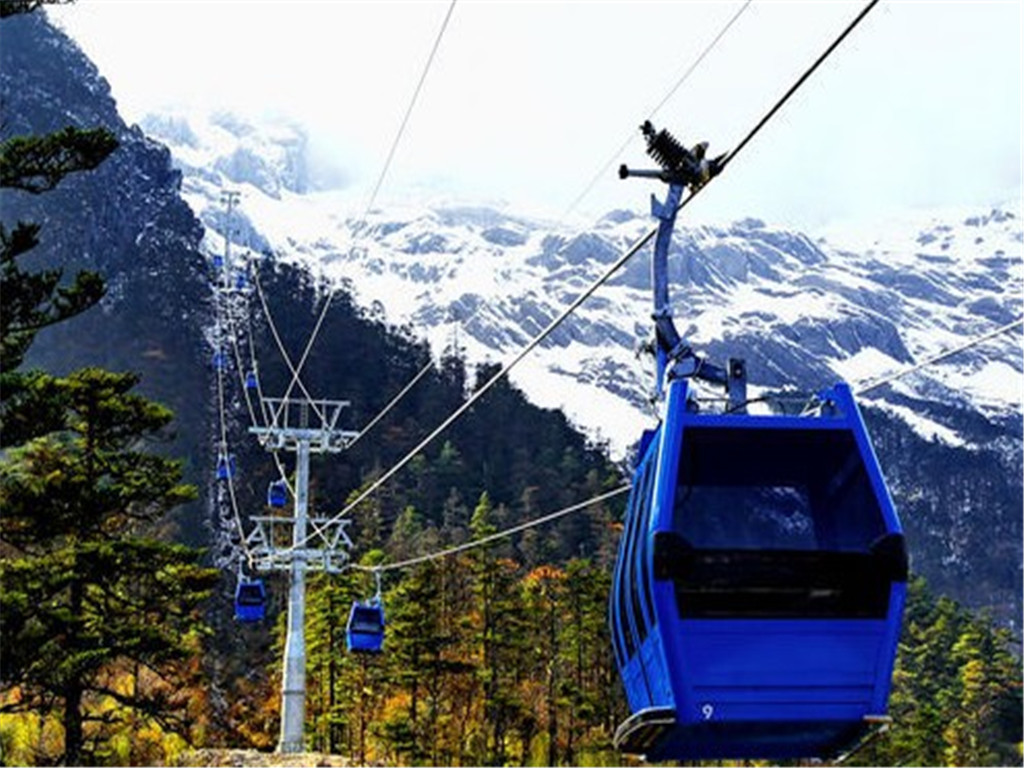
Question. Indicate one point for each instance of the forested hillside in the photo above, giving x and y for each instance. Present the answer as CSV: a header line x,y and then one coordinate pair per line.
x,y
491,662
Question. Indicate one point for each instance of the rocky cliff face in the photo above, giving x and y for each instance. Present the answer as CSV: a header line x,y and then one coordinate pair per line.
x,y
125,220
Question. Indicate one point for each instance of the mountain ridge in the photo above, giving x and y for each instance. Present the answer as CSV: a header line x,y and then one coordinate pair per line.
x,y
806,310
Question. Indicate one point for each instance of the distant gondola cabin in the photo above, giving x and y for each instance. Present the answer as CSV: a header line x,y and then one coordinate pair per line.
x,y
277,494
250,600
365,629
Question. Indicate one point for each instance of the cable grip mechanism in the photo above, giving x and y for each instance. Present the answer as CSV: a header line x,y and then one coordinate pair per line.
x,y
679,165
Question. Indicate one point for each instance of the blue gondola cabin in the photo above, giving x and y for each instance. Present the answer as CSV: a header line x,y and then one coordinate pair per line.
x,y
226,467
277,494
250,600
759,586
365,630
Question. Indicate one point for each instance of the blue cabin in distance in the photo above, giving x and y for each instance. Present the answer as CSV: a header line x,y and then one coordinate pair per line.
x,y
226,466
250,600
364,632
277,494
759,585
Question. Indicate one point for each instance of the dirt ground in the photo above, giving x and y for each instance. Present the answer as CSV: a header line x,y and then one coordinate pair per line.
x,y
252,757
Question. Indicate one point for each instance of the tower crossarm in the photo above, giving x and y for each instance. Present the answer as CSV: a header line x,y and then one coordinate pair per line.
x,y
326,549
301,420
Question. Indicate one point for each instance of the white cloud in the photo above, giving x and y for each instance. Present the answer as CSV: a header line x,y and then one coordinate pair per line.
x,y
526,101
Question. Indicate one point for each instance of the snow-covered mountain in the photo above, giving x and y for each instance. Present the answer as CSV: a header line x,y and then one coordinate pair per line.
x,y
803,311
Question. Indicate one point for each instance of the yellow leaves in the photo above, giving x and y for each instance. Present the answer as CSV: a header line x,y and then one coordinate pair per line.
x,y
28,738
396,707
19,733
254,713
544,573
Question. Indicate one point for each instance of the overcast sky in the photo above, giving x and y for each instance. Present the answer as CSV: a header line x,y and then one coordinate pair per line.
x,y
526,101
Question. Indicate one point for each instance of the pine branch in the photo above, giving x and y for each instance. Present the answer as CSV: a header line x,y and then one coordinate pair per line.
x,y
38,163
35,300
15,7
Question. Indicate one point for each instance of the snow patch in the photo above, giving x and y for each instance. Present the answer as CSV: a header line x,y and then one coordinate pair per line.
x,y
925,427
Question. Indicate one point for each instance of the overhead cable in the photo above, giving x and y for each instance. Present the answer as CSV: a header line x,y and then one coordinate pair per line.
x,y
369,206
225,456
589,291
408,111
678,84
394,401
499,535
232,330
796,86
284,352
264,412
941,356
264,408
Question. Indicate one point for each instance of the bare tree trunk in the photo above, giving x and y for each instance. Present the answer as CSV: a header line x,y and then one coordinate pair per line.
x,y
74,738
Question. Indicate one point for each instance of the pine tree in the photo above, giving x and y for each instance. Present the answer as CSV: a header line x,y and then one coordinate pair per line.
x,y
500,638
451,684
955,693
329,599
85,590
965,736
84,587
415,642
544,592
594,700
987,679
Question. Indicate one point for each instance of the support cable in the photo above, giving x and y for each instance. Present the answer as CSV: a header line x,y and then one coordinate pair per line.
x,y
233,330
601,280
483,389
679,83
495,536
229,310
862,389
255,366
597,177
225,455
394,401
284,352
259,394
794,88
408,111
380,181
622,489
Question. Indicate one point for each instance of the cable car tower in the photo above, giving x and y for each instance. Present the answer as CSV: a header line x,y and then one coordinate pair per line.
x,y
279,542
302,426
